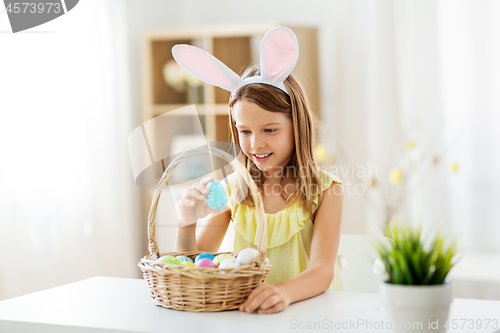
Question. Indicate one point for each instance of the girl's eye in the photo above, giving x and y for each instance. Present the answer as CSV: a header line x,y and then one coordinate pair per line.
x,y
269,130
245,132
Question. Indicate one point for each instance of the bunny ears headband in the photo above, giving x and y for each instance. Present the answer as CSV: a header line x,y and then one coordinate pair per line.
x,y
279,52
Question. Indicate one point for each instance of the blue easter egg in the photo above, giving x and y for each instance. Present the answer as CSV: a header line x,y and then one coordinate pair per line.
x,y
217,197
204,256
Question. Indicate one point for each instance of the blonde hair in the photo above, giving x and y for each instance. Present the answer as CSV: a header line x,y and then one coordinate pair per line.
x,y
296,107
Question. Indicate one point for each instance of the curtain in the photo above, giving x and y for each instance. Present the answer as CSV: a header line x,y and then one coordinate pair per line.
x,y
68,203
470,49
448,76
421,72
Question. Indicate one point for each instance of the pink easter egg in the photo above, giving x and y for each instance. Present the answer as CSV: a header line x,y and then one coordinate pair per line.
x,y
205,262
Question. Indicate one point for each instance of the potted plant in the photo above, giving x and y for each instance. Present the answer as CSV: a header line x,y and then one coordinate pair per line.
x,y
416,291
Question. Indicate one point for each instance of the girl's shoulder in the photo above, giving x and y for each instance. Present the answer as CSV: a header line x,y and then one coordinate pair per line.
x,y
326,179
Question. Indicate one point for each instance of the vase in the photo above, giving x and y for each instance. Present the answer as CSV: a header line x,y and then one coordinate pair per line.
x,y
415,308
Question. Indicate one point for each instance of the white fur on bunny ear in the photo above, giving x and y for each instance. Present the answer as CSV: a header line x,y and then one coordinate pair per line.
x,y
205,66
279,52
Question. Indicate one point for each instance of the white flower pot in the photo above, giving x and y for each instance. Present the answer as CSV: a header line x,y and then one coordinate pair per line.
x,y
417,308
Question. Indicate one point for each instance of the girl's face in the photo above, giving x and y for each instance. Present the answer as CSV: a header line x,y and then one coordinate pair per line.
x,y
265,137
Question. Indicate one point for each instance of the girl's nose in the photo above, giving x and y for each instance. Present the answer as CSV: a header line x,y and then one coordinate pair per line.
x,y
257,143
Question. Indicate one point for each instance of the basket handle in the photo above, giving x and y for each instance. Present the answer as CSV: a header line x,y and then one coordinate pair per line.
x,y
240,170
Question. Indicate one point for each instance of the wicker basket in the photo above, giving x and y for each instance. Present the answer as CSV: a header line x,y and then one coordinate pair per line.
x,y
203,289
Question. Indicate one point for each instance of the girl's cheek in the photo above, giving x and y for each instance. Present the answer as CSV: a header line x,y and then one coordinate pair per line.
x,y
244,145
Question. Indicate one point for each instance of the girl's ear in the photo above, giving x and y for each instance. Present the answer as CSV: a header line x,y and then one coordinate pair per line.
x,y
205,66
279,52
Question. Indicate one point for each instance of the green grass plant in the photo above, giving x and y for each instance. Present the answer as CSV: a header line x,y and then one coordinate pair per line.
x,y
408,261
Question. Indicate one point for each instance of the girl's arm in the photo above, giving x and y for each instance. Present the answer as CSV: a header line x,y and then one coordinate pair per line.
x,y
210,236
324,246
212,232
319,276
185,239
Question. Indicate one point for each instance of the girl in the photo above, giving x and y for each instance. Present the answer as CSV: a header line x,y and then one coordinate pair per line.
x,y
273,126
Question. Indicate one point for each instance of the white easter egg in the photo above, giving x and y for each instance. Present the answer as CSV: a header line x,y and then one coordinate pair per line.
x,y
228,263
246,256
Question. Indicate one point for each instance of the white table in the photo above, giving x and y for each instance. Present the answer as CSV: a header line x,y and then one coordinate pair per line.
x,y
107,305
477,275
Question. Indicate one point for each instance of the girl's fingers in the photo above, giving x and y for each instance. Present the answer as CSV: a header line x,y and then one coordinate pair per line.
x,y
255,299
206,180
202,188
195,194
270,302
188,202
278,307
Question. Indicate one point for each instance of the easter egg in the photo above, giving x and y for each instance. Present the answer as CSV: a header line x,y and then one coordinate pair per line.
x,y
228,263
217,197
203,256
169,260
184,259
217,260
246,256
204,262
187,264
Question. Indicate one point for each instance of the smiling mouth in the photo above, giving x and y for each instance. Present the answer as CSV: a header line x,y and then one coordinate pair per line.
x,y
261,157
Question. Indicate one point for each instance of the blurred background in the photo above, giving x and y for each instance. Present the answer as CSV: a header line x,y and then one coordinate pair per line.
x,y
405,94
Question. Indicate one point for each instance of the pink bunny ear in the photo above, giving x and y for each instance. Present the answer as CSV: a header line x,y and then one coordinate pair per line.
x,y
205,66
279,52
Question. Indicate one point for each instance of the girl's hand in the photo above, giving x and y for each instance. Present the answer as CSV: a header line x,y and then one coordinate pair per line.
x,y
193,205
266,298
